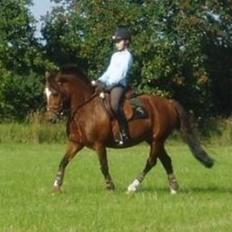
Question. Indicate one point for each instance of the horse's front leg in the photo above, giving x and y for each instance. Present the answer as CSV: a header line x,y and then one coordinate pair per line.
x,y
72,150
102,155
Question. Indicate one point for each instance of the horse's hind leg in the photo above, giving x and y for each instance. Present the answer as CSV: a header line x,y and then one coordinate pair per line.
x,y
151,162
102,155
72,150
167,164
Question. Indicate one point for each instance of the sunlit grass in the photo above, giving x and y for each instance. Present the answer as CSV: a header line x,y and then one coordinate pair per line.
x,y
28,204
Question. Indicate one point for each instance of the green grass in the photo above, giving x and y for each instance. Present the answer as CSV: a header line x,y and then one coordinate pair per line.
x,y
27,203
35,132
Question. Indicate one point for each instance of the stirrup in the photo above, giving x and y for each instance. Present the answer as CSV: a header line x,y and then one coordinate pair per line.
x,y
123,139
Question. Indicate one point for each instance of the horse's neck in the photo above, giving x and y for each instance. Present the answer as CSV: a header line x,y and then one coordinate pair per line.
x,y
81,94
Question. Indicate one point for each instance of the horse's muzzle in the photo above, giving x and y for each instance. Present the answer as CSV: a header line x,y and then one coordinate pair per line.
x,y
52,117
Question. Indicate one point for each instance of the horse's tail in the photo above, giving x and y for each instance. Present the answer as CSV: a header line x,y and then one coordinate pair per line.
x,y
190,138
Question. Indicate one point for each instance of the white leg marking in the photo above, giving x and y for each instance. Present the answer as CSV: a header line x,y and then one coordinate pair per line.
x,y
173,185
56,183
134,186
173,191
47,92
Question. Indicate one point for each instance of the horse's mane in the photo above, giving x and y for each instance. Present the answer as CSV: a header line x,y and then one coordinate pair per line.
x,y
74,71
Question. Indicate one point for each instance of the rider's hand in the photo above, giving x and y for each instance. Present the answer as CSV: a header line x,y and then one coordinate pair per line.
x,y
100,87
93,83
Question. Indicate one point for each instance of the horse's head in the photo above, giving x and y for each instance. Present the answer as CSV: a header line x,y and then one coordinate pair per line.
x,y
56,96
65,90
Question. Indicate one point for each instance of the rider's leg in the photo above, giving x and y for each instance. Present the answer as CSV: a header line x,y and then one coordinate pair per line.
x,y
116,99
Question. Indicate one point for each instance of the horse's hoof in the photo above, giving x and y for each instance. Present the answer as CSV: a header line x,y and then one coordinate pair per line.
x,y
130,193
110,187
173,185
173,191
131,190
57,189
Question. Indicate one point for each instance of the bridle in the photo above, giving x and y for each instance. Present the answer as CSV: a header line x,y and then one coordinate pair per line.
x,y
62,110
83,104
59,110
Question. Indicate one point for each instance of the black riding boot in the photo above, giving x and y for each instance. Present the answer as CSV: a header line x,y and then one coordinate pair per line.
x,y
123,127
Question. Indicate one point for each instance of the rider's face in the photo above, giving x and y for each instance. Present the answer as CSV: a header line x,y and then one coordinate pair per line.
x,y
120,44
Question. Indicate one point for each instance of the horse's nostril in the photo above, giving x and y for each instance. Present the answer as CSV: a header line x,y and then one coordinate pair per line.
x,y
54,120
51,117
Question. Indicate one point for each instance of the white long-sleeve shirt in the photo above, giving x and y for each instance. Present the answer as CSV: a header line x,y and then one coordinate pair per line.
x,y
117,71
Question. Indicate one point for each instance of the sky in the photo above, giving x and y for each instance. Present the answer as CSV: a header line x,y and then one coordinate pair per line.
x,y
40,8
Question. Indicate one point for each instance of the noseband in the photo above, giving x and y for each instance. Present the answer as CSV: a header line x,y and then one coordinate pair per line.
x,y
58,111
62,109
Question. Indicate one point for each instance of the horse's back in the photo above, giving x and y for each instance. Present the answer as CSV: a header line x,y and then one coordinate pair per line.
x,y
162,112
161,119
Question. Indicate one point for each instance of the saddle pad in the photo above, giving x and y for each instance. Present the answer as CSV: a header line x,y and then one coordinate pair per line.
x,y
134,109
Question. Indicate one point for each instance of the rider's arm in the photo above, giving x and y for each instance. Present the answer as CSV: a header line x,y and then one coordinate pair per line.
x,y
106,74
117,71
122,66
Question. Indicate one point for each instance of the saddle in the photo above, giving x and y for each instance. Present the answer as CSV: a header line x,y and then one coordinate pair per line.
x,y
133,107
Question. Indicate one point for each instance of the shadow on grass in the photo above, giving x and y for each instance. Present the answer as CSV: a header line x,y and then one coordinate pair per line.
x,y
121,189
213,189
204,190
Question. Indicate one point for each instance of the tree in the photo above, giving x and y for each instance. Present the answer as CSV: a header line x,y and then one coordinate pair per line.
x,y
172,45
21,61
182,49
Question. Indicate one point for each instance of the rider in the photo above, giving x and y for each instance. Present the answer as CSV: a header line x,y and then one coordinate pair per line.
x,y
115,78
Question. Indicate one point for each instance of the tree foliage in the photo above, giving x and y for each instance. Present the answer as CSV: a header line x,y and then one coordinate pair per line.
x,y
172,45
21,61
181,48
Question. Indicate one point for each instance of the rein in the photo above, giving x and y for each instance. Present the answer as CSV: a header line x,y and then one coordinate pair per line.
x,y
83,103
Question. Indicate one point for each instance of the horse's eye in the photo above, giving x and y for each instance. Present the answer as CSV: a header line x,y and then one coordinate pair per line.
x,y
54,94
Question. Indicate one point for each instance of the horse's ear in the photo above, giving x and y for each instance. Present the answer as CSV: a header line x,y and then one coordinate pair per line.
x,y
47,75
60,80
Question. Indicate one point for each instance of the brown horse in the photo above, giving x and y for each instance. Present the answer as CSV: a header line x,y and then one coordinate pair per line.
x,y
90,125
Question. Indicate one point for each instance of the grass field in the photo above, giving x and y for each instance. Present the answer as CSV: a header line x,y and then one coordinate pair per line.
x,y
27,203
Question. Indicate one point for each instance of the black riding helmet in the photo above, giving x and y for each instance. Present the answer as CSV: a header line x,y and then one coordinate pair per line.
x,y
121,33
